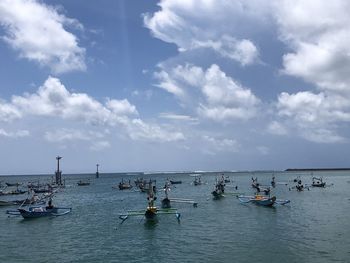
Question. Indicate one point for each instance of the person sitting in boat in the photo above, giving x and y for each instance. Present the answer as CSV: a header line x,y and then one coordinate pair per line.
x,y
49,205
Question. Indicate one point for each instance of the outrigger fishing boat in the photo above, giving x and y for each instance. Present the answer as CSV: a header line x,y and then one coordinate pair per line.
x,y
124,185
145,186
83,183
40,211
166,202
259,188
273,183
175,182
262,200
197,180
219,188
299,186
152,212
318,182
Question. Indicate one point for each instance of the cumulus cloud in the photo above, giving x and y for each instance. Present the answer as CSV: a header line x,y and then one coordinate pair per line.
x,y
218,96
37,31
196,24
316,116
121,107
9,112
53,100
317,34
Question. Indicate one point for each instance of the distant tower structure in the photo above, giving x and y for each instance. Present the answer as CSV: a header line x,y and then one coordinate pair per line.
x,y
97,173
58,173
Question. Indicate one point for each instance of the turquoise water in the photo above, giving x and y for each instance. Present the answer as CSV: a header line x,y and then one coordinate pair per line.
x,y
314,227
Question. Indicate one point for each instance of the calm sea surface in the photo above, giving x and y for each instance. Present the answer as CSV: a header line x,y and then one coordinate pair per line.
x,y
314,227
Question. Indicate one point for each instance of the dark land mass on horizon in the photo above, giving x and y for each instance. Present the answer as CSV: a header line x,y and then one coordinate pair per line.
x,y
315,169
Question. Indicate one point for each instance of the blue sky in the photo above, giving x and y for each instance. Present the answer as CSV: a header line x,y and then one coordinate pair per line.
x,y
173,85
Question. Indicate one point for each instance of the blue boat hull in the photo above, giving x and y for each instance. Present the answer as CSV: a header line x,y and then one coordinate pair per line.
x,y
32,213
266,202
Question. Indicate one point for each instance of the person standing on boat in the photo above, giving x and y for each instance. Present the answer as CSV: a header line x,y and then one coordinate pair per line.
x,y
49,205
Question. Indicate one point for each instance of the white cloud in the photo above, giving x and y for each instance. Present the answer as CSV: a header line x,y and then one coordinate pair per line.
x,y
215,95
220,145
63,135
316,116
168,84
16,134
53,100
37,31
121,107
177,117
194,24
243,51
9,112
277,128
317,32
139,130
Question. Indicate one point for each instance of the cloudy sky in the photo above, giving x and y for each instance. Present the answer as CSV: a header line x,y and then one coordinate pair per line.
x,y
173,85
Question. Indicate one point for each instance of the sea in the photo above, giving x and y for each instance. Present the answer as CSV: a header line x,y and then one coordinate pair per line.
x,y
313,227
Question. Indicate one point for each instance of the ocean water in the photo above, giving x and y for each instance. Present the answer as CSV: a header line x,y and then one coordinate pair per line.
x,y
314,227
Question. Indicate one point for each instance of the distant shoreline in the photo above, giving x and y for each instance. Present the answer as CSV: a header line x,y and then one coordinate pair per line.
x,y
184,172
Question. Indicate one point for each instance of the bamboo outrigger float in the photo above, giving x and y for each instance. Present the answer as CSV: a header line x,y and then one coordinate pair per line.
x,y
152,212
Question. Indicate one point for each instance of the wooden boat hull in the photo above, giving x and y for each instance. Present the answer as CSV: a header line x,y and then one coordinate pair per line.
x,y
261,200
265,202
84,184
13,184
150,215
175,182
319,185
166,203
37,212
217,195
124,187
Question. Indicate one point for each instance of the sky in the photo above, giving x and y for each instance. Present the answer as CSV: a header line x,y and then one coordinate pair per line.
x,y
173,85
